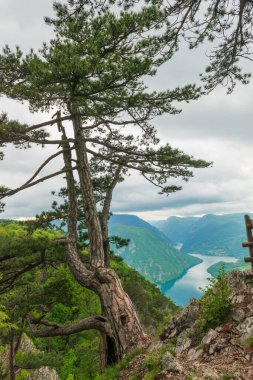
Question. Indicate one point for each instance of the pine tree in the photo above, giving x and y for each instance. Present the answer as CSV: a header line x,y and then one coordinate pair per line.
x,y
92,73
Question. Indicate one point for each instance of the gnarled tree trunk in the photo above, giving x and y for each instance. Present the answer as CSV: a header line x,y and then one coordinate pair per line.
x,y
125,331
117,308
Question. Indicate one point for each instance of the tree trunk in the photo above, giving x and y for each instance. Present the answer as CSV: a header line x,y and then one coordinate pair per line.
x,y
105,215
12,358
126,332
92,219
117,308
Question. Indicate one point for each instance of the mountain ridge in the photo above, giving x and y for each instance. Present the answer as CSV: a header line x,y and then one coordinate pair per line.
x,y
149,251
215,235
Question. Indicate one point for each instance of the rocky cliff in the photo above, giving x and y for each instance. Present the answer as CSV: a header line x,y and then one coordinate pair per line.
x,y
187,352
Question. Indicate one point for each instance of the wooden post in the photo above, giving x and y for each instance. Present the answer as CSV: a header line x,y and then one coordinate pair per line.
x,y
249,243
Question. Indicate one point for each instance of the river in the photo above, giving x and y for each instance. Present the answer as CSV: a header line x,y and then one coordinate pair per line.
x,y
187,286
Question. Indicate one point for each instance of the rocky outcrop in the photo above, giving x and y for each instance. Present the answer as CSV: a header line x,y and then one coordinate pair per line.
x,y
185,319
170,363
44,373
27,346
226,348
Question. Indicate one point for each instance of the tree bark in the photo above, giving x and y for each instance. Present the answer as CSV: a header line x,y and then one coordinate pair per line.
x,y
117,308
12,358
96,323
105,215
92,219
126,332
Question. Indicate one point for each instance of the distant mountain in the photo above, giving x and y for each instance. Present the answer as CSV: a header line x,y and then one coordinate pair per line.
x,y
175,228
216,235
149,251
135,221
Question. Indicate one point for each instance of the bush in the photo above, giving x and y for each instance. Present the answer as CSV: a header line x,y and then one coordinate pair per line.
x,y
216,304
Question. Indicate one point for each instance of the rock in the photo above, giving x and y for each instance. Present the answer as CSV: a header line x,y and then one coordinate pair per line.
x,y
44,373
194,354
211,335
27,345
222,349
210,374
246,329
183,320
183,342
170,363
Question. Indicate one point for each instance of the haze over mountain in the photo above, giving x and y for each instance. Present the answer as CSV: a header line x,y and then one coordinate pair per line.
x,y
215,235
149,250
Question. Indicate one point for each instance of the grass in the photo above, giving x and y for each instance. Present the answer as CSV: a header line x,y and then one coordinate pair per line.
x,y
112,373
227,376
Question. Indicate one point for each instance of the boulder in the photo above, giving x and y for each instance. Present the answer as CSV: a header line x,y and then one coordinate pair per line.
x,y
170,363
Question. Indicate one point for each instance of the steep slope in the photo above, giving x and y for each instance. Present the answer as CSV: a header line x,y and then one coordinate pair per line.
x,y
135,221
215,235
148,251
193,348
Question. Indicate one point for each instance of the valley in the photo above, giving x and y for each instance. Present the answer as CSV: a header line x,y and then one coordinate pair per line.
x,y
164,252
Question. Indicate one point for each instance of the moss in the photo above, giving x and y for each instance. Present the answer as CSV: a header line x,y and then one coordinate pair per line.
x,y
249,342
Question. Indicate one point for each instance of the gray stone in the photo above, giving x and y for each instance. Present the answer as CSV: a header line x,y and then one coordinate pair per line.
x,y
238,315
183,342
170,363
27,346
246,329
194,354
211,335
44,373
211,374
183,320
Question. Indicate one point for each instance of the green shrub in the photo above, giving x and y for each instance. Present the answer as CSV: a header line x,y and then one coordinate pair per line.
x,y
216,304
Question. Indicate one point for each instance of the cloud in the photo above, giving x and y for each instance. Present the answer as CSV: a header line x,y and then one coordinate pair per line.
x,y
216,128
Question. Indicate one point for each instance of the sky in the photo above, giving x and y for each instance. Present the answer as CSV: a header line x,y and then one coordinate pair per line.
x,y
217,128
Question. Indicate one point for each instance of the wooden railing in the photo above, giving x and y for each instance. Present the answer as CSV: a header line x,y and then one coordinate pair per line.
x,y
249,243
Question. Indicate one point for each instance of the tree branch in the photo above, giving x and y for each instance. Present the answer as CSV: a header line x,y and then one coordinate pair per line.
x,y
46,123
91,323
23,187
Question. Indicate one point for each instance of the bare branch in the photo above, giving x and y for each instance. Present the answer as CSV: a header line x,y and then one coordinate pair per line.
x,y
91,323
43,165
23,187
46,123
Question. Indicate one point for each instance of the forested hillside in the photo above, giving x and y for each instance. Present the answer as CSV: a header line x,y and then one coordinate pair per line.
x,y
47,288
240,265
149,251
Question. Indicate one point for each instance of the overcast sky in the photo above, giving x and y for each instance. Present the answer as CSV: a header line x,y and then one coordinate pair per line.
x,y
216,128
